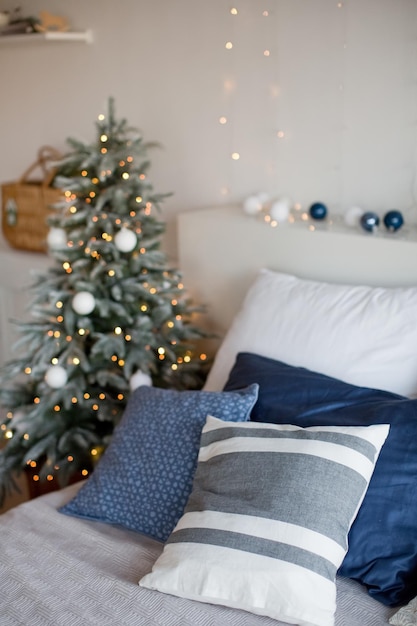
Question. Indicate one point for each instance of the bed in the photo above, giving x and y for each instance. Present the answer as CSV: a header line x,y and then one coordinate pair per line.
x,y
314,361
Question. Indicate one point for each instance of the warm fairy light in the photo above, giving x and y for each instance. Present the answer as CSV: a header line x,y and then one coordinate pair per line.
x,y
139,199
122,163
125,175
111,273
68,338
233,11
180,286
142,176
32,463
8,434
170,324
223,119
101,117
187,359
66,265
57,334
121,363
143,308
103,138
73,209
129,159
95,181
60,318
128,337
142,250
265,13
120,396
102,396
235,156
67,194
49,477
161,350
81,331
267,53
86,396
152,290
174,366
76,361
174,302
36,400
229,45
94,452
95,407
88,200
92,194
54,361
118,330
280,134
59,304
84,173
203,357
70,458
114,358
94,218
84,472
28,370
267,218
103,150
178,318
35,478
74,400
118,221
57,408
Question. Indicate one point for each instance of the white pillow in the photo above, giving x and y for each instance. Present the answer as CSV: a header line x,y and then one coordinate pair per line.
x,y
366,336
265,528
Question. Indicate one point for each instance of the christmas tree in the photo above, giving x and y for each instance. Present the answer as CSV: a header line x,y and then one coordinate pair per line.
x,y
108,315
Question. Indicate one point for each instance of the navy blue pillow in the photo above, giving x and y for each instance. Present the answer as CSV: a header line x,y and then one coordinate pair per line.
x,y
144,478
383,539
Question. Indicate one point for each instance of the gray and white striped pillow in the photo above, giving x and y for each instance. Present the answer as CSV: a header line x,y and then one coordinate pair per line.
x,y
265,528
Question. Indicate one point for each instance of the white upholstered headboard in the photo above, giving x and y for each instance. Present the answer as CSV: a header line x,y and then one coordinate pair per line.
x,y
221,249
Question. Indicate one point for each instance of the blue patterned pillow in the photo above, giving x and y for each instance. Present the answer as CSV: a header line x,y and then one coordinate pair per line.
x,y
144,478
383,539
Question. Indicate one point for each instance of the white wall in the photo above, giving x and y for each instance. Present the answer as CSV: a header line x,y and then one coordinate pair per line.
x,y
340,81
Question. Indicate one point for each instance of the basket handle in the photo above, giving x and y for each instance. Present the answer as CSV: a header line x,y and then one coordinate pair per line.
x,y
46,155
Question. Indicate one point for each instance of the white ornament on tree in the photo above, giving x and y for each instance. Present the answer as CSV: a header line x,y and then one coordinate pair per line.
x,y
125,240
83,303
56,376
56,238
353,216
139,379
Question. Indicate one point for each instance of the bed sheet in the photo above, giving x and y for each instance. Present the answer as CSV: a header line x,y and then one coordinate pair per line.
x,y
56,570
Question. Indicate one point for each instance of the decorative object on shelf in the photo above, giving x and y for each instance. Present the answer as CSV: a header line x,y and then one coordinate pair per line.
x,y
144,327
318,211
83,303
56,377
393,220
353,216
13,23
125,240
252,205
49,22
56,238
27,202
139,379
280,210
369,221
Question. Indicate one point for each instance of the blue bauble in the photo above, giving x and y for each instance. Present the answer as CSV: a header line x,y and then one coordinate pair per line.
x,y
393,220
318,211
369,221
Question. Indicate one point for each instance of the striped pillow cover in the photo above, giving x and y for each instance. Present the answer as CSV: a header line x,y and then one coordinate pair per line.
x,y
265,527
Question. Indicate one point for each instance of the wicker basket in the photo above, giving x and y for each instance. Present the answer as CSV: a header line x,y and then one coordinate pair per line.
x,y
26,204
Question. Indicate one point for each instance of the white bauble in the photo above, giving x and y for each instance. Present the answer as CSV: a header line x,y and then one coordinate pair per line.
x,y
83,303
139,379
56,376
280,211
125,240
353,216
252,205
263,197
56,238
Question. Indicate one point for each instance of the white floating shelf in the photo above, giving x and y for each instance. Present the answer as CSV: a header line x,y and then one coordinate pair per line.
x,y
85,36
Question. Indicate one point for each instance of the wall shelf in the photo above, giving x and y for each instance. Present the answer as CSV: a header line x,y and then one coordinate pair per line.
x,y
85,36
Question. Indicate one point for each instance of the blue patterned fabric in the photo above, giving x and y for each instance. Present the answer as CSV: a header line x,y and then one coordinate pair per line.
x,y
144,478
383,539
